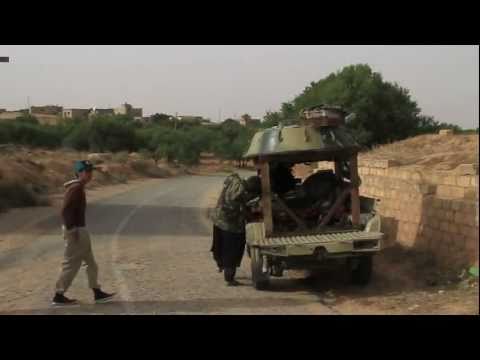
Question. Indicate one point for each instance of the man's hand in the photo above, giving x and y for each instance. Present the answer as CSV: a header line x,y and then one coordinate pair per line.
x,y
73,234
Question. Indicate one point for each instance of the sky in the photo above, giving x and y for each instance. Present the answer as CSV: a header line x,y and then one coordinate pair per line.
x,y
220,81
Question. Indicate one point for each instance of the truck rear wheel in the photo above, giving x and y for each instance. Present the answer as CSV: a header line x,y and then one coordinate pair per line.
x,y
361,271
259,278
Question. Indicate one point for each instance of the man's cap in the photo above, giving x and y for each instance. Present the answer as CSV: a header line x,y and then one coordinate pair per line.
x,y
83,165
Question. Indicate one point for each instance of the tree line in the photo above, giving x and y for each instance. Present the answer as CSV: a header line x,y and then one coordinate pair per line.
x,y
163,137
385,112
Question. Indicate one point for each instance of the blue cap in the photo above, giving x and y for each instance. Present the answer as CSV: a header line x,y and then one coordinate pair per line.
x,y
83,165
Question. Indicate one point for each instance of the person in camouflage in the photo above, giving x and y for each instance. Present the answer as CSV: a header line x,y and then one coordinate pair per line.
x,y
229,221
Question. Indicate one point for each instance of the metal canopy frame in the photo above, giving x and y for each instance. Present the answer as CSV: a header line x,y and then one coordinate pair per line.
x,y
263,166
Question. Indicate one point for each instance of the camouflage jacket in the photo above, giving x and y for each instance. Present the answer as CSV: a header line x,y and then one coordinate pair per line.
x,y
231,211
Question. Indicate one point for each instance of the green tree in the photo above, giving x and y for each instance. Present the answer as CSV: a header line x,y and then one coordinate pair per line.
x,y
231,129
78,137
385,111
162,120
271,119
112,133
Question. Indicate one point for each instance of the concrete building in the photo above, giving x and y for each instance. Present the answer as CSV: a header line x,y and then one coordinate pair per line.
x,y
248,121
76,113
12,115
46,110
127,109
96,112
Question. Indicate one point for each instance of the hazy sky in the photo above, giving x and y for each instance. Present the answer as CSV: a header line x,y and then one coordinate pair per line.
x,y
200,79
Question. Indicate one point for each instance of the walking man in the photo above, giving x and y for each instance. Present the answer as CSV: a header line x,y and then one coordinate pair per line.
x,y
229,220
78,247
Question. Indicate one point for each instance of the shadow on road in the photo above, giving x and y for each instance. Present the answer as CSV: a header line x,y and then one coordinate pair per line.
x,y
196,306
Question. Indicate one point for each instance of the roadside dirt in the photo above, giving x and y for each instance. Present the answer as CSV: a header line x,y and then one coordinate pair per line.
x,y
405,282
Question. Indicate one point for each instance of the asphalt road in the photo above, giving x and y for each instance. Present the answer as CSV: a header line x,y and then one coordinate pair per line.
x,y
152,245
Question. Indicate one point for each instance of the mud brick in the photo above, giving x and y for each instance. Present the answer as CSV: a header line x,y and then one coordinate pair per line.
x,y
381,172
466,169
444,226
470,220
453,228
394,173
450,215
469,206
446,204
415,176
468,231
464,181
460,219
450,180
405,175
471,245
457,206
470,193
474,181
437,203
434,222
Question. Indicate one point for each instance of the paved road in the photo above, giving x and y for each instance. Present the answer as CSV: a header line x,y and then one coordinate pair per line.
x,y
152,246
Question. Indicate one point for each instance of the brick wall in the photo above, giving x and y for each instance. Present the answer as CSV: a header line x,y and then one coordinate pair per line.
x,y
429,211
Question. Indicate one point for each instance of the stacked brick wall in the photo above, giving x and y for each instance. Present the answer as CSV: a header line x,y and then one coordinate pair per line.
x,y
429,211
434,211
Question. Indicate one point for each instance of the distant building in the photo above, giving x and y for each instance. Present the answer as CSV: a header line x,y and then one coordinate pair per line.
x,y
47,114
191,119
97,112
12,115
248,121
76,113
127,109
46,110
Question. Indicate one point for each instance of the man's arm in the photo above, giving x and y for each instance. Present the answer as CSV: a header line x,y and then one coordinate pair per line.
x,y
71,207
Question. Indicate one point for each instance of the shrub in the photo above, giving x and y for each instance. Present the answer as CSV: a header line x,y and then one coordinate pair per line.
x,y
120,157
17,195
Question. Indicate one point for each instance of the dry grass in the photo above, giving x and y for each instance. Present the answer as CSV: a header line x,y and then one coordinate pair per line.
x,y
27,176
430,151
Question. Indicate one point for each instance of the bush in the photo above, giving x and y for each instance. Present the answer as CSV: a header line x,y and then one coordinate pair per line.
x,y
78,138
17,195
120,157
111,134
147,168
30,134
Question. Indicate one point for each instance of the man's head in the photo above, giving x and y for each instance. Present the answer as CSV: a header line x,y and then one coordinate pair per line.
x,y
83,170
253,186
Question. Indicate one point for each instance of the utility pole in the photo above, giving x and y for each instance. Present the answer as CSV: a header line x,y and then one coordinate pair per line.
x,y
176,115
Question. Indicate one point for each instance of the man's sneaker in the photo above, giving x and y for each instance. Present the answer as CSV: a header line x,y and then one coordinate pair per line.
x,y
102,297
62,300
233,283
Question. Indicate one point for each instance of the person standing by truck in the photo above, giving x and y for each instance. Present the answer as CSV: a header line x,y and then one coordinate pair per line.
x,y
78,247
229,220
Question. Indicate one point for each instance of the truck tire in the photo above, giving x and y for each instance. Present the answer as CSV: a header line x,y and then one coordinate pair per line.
x,y
259,278
362,273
